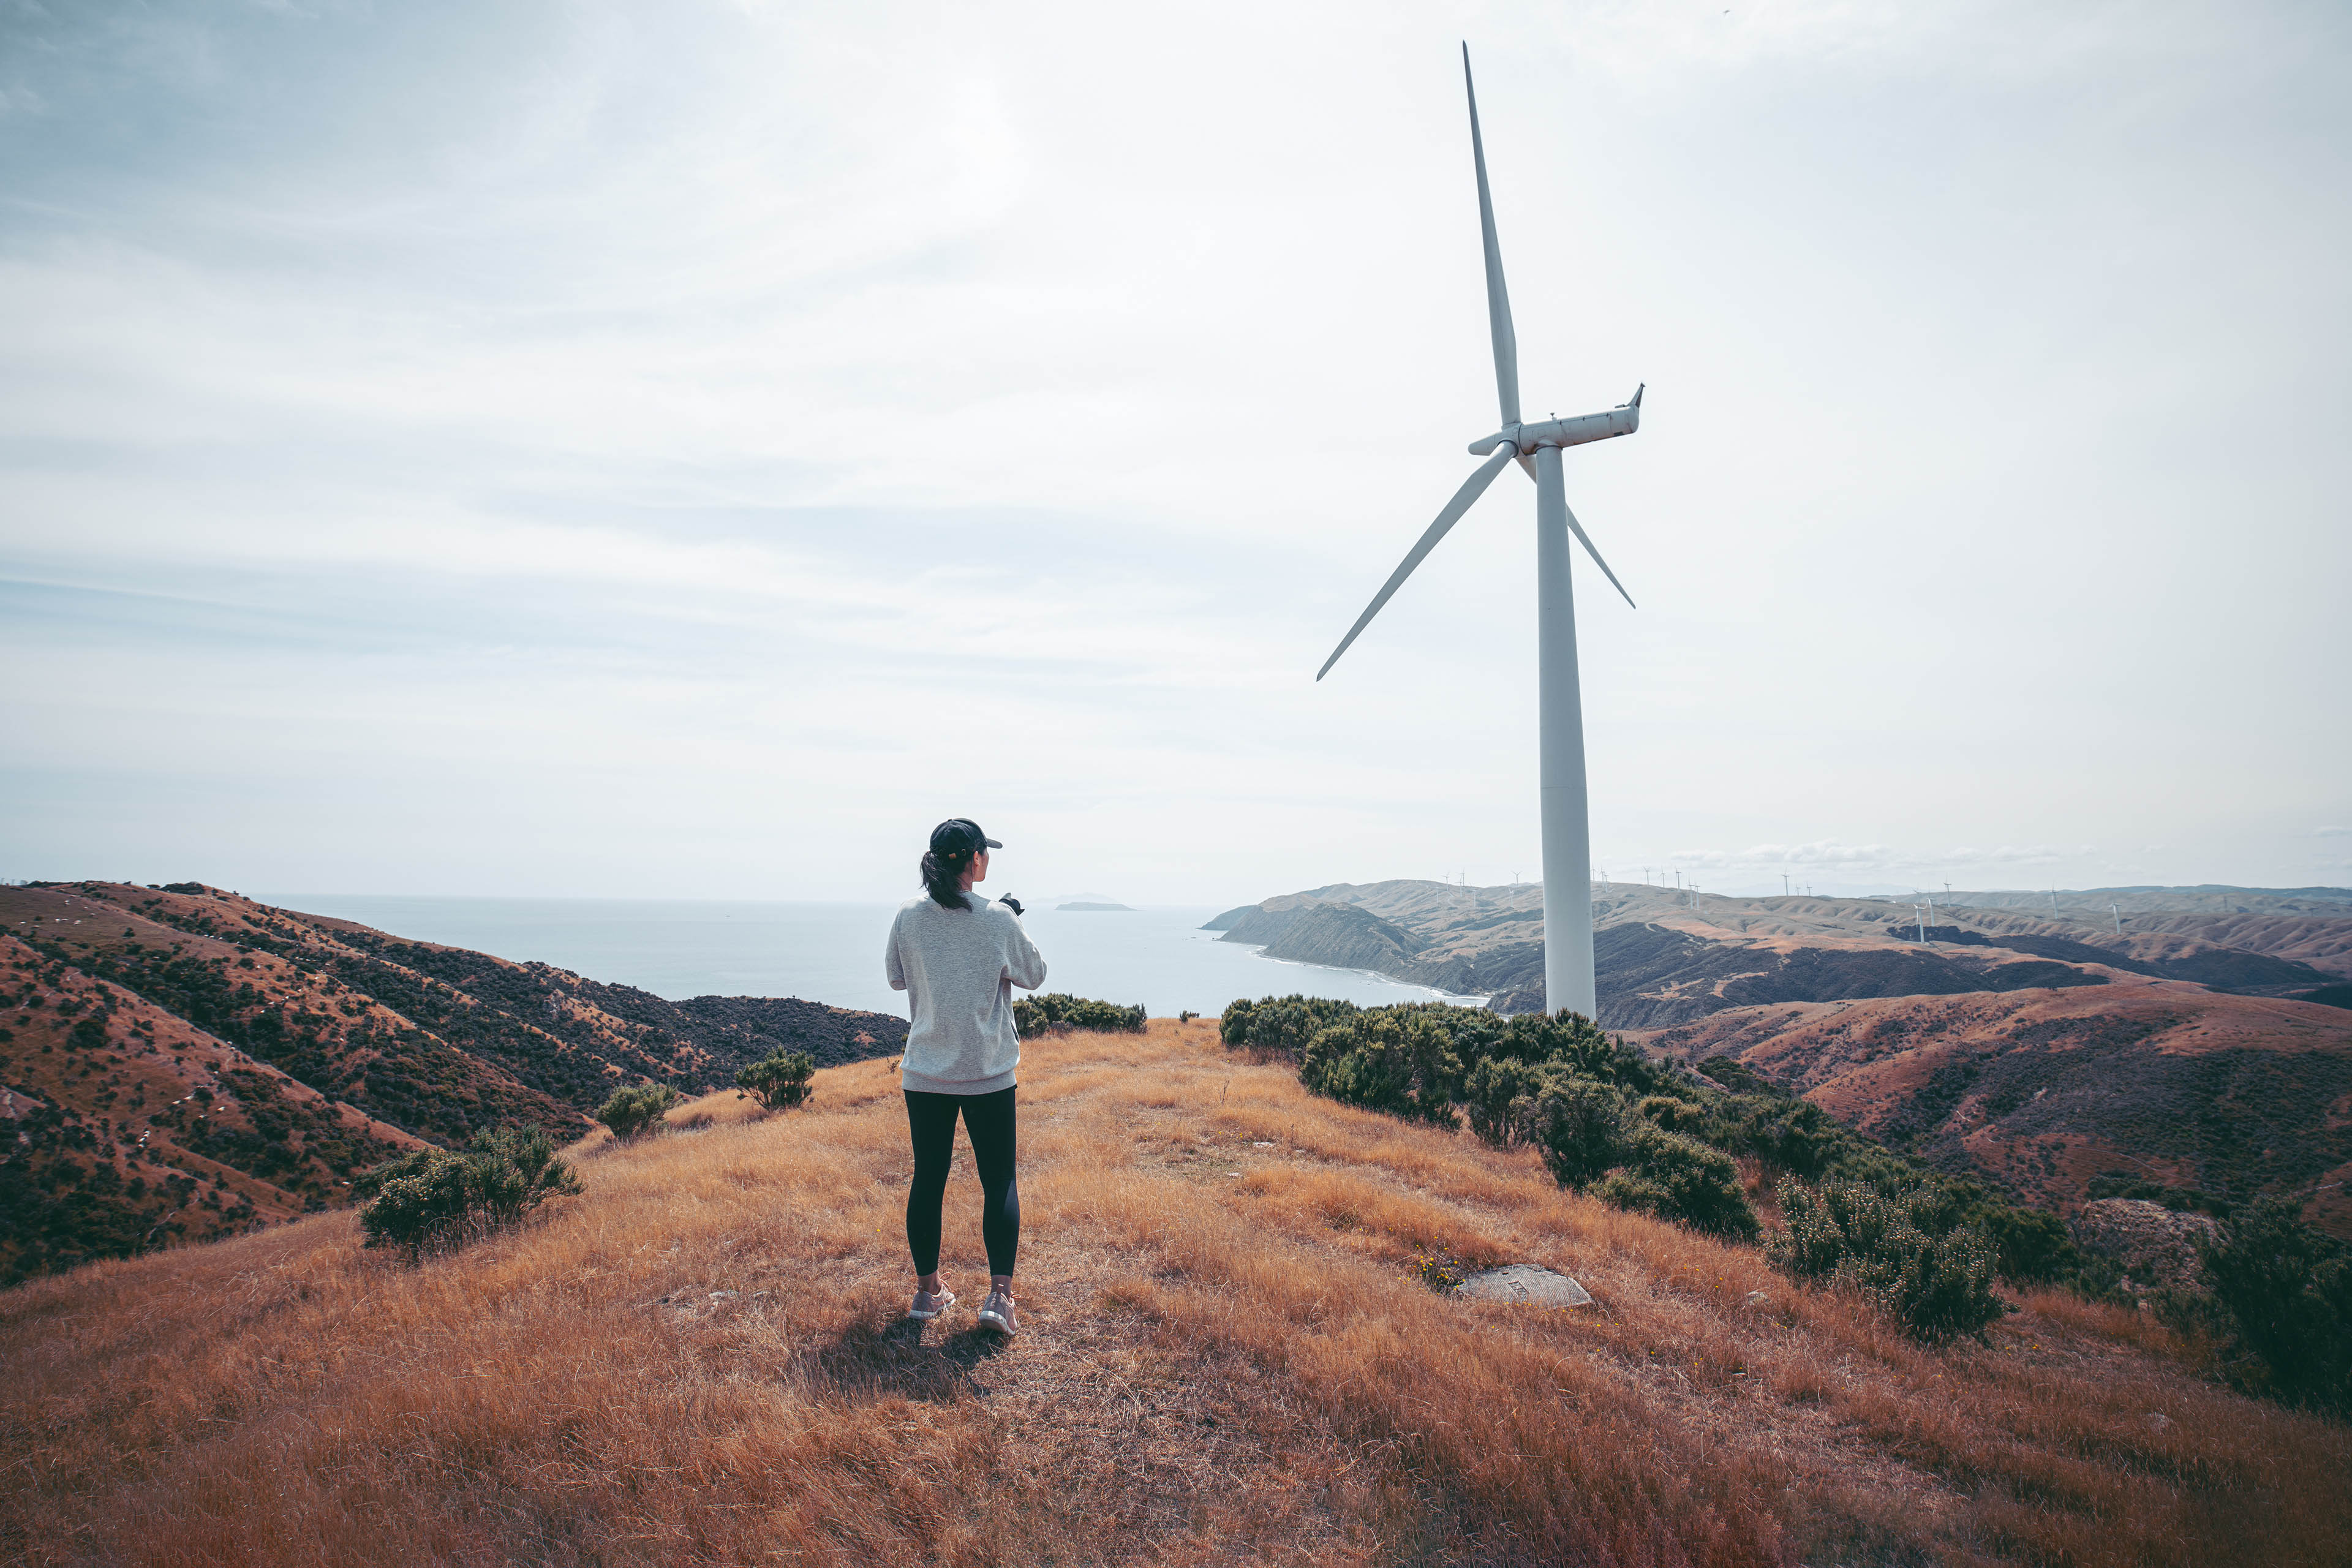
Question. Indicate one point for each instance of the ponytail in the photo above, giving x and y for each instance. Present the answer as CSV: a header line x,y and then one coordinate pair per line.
x,y
943,872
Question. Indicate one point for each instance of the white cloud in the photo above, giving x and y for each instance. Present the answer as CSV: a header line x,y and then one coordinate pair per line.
x,y
2007,854
767,412
1852,857
1826,853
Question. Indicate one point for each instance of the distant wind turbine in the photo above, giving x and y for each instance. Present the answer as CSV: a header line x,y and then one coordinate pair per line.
x,y
1535,447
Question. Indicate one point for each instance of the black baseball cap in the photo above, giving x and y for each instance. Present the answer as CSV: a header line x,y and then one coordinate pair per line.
x,y
961,835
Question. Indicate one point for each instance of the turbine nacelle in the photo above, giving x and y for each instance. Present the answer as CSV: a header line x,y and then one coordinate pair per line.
x,y
1621,420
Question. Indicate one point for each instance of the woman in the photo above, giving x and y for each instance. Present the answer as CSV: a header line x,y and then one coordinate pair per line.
x,y
959,958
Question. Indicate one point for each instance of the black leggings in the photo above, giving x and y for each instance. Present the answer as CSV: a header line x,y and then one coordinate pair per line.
x,y
988,1119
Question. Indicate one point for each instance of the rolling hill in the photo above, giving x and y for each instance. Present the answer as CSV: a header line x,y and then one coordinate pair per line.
x,y
180,1062
2057,1096
2206,1050
1231,1355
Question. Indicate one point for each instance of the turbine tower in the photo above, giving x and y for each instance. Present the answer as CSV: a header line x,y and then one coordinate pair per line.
x,y
1535,447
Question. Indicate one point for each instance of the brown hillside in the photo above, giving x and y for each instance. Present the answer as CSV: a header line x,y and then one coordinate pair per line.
x,y
266,982
129,1128
1663,957
1229,1358
162,1036
2046,1091
2320,941
560,1036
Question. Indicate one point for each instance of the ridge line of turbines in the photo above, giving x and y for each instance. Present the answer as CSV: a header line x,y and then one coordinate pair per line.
x,y
1688,893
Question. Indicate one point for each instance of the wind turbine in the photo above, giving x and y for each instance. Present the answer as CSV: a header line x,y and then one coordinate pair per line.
x,y
1535,447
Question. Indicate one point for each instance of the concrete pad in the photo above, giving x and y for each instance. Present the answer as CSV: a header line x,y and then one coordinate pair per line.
x,y
1525,1282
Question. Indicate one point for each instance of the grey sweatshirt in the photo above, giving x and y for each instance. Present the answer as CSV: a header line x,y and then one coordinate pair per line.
x,y
958,968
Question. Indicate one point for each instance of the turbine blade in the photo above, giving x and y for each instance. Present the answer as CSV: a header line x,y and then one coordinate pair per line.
x,y
1472,488
1498,299
1578,529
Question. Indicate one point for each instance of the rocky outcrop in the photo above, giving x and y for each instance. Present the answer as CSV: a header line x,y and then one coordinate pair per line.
x,y
2155,1246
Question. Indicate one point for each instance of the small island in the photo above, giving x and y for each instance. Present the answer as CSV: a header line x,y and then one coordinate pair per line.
x,y
1126,908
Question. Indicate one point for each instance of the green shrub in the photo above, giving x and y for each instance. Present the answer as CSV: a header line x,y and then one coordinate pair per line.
x,y
1936,1283
1568,1041
433,1197
1738,1076
1786,1134
631,1111
2030,1247
1670,1111
1395,1062
1584,1099
1033,1016
2282,1293
1500,1095
1679,1178
518,1171
780,1078
1577,1124
1282,1024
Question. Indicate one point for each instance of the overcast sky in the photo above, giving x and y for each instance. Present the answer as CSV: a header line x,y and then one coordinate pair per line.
x,y
688,450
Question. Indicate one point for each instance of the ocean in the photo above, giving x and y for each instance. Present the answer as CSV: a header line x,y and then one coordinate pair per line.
x,y
833,952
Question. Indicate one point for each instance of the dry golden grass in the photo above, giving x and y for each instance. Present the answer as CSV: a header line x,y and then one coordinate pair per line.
x,y
1227,1359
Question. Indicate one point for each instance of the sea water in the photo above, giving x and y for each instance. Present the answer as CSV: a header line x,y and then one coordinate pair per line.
x,y
833,952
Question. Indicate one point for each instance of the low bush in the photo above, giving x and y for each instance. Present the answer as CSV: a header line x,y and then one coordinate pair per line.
x,y
1679,1178
1500,1096
1397,1062
780,1080
1670,1111
1033,1016
1282,1024
2281,1307
1578,1125
632,1111
2030,1247
1792,1135
1588,1103
435,1197
1934,1278
1572,1042
1739,1078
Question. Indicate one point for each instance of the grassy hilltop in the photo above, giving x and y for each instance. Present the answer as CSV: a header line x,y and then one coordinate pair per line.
x,y
1230,1356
